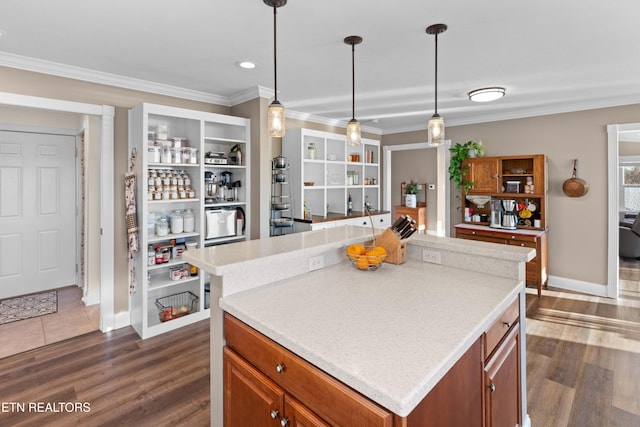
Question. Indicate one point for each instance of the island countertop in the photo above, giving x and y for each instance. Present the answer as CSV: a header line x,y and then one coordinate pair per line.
x,y
391,334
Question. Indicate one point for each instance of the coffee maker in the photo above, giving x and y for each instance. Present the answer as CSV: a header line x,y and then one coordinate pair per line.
x,y
496,213
509,218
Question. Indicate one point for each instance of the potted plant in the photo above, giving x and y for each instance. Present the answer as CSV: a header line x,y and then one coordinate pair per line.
x,y
410,195
459,153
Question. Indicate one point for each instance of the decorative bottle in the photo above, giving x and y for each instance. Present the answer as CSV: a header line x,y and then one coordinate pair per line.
x,y
349,204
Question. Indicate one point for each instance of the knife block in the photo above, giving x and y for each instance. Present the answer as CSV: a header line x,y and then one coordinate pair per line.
x,y
396,248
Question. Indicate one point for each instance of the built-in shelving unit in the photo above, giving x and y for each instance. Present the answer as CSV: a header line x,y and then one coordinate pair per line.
x,y
326,169
165,185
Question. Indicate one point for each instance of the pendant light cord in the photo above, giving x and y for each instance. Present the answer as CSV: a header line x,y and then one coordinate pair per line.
x,y
275,56
353,82
436,74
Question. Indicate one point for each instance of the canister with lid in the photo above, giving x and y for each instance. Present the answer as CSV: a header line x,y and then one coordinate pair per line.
x,y
177,222
189,222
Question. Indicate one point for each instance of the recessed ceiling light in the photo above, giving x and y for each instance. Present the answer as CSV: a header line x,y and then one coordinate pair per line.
x,y
246,64
486,94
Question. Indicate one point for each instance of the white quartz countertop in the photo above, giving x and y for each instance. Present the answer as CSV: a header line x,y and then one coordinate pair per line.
x,y
391,334
215,259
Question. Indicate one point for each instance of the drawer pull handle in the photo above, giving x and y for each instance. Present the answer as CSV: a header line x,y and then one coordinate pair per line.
x,y
492,387
473,232
274,414
284,422
280,368
507,324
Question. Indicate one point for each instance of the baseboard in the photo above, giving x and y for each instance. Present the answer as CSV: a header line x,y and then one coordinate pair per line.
x,y
591,288
122,319
110,322
92,298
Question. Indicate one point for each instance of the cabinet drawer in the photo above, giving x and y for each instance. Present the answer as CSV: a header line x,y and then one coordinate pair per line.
x,y
500,327
470,234
323,394
523,243
518,237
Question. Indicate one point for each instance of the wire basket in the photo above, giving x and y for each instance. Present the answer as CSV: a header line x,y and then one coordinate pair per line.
x,y
369,259
177,305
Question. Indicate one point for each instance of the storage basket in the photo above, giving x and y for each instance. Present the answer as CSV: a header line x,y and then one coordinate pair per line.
x,y
177,305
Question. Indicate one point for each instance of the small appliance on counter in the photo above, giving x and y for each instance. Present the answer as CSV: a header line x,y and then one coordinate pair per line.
x,y
215,158
509,218
496,213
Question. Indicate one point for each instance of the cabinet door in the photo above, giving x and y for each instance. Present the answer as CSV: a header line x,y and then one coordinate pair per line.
x,y
502,382
298,415
250,398
483,172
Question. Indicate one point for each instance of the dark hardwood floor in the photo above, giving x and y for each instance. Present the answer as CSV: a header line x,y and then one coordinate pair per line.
x,y
583,369
124,380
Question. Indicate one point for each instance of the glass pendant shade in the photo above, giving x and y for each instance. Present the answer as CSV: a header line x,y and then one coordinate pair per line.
x,y
354,134
276,120
435,134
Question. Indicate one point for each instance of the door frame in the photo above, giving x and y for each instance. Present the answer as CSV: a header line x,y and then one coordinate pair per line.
x,y
613,259
106,114
443,186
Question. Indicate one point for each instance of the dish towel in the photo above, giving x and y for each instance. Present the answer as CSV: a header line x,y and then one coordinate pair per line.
x,y
131,220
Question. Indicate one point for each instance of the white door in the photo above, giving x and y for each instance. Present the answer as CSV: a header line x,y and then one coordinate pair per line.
x,y
37,212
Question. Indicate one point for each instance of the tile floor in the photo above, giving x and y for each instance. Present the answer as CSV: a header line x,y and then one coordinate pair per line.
x,y
73,318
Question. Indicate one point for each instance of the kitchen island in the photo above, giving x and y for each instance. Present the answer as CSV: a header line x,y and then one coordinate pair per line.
x,y
391,335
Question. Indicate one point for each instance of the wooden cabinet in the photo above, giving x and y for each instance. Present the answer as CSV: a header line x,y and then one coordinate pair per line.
x,y
501,366
456,400
418,213
324,396
536,269
484,173
252,399
521,178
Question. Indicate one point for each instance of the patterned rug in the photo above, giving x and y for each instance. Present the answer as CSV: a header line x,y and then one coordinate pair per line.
x,y
28,306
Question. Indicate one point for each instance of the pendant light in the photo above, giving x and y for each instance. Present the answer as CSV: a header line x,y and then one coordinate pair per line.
x,y
275,114
354,133
436,123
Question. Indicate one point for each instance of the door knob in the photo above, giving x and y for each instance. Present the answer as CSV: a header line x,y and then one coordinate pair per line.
x,y
284,422
274,414
492,387
280,368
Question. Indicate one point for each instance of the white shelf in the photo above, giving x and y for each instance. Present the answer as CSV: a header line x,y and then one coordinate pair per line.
x,y
224,140
221,240
160,202
159,284
157,239
172,165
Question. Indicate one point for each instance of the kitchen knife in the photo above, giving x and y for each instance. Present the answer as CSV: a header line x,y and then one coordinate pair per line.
x,y
403,224
407,226
413,230
395,225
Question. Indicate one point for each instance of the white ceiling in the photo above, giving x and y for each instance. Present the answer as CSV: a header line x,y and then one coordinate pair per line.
x,y
551,56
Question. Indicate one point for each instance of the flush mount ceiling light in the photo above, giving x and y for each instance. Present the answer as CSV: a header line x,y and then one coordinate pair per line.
x,y
435,134
275,114
486,94
354,133
246,65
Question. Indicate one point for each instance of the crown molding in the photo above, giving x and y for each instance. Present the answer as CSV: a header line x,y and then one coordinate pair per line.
x,y
525,113
84,74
